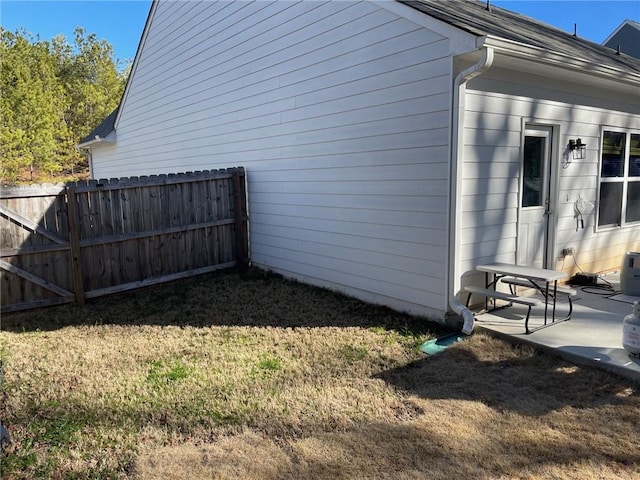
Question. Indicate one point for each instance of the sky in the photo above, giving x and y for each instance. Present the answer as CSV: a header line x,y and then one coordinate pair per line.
x,y
121,22
118,22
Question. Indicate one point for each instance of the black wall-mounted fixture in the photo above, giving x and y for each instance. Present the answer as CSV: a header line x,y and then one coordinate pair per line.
x,y
577,148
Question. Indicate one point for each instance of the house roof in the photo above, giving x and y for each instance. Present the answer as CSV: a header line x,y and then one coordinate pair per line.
x,y
101,131
473,17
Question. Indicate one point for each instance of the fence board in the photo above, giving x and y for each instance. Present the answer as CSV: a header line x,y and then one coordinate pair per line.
x,y
27,224
74,237
29,221
93,238
37,280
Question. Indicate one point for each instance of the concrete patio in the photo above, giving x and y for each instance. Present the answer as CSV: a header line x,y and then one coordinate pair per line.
x,y
592,337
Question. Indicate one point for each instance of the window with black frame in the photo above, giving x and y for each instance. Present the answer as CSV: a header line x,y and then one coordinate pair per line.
x,y
619,199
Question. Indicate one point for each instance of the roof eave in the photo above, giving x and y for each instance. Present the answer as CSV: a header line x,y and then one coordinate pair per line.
x,y
557,59
96,140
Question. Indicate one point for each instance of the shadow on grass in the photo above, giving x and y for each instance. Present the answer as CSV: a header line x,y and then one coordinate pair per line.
x,y
251,297
517,379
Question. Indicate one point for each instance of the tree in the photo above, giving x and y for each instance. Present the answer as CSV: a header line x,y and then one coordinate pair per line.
x,y
52,94
33,103
92,80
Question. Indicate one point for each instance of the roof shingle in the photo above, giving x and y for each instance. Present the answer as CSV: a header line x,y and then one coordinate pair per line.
x,y
105,128
473,17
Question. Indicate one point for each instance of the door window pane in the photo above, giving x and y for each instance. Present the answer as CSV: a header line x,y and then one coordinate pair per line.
x,y
613,151
633,202
532,184
609,212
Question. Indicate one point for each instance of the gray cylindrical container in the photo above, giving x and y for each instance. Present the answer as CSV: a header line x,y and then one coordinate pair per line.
x,y
631,330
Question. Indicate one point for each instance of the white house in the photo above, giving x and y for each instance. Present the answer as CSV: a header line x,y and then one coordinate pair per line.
x,y
390,147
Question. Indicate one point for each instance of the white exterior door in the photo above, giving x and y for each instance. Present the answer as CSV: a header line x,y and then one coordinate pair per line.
x,y
535,215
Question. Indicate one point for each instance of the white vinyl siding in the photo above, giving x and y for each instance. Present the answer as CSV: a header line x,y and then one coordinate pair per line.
x,y
498,105
339,111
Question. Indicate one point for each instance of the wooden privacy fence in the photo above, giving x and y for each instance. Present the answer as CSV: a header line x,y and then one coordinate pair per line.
x,y
64,243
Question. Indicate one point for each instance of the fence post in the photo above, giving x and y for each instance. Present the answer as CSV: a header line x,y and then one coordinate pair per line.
x,y
239,198
74,240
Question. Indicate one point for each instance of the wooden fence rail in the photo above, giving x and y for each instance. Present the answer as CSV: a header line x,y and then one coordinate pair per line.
x,y
65,243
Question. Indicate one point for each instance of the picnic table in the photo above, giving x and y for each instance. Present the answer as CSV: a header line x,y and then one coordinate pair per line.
x,y
544,280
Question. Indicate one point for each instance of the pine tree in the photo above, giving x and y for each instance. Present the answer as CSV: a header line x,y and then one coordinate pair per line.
x,y
51,95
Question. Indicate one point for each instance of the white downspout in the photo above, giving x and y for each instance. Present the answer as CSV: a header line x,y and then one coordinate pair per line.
x,y
90,161
86,151
455,185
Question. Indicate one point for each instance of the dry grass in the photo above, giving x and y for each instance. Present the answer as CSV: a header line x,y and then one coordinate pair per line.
x,y
245,375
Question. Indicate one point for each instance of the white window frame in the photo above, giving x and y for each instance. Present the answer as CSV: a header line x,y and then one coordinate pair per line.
x,y
625,179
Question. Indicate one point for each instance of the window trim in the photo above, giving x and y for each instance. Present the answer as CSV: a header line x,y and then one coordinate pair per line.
x,y
624,180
